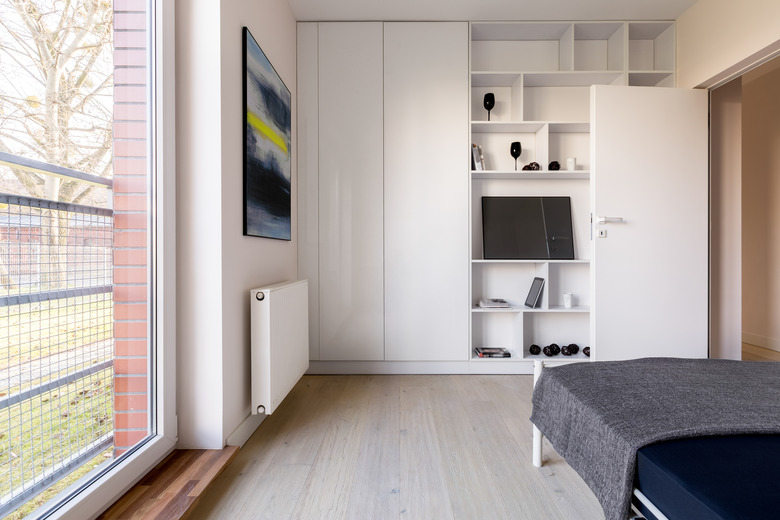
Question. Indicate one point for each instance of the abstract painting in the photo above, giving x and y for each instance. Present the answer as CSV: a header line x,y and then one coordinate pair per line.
x,y
267,138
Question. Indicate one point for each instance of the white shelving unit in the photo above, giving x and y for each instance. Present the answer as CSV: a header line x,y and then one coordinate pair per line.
x,y
540,74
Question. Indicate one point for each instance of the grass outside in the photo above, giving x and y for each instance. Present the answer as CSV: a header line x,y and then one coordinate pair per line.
x,y
42,431
52,491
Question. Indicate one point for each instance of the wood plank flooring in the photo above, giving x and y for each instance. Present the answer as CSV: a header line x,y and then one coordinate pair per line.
x,y
392,447
173,487
755,353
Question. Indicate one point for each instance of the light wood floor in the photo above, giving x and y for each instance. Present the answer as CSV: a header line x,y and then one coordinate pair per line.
x,y
380,447
754,353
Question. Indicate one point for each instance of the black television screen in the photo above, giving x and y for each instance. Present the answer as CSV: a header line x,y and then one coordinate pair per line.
x,y
527,228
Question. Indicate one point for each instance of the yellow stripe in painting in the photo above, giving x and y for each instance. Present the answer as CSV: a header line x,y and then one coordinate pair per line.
x,y
266,130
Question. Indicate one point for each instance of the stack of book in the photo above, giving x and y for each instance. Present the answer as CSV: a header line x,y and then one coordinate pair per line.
x,y
493,303
498,352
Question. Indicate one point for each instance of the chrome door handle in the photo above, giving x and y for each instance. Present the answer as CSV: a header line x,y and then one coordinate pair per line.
x,y
606,220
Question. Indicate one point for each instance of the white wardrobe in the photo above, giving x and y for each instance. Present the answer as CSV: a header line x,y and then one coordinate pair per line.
x,y
383,190
389,216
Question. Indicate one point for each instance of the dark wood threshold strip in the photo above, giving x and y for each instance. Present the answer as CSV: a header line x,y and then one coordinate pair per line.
x,y
171,489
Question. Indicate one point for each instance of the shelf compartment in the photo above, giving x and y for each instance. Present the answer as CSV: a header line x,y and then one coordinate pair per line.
x,y
651,78
495,147
509,127
576,189
560,358
519,46
509,281
494,79
507,55
569,127
560,308
477,308
651,46
569,278
573,78
543,78
544,328
521,175
599,46
506,127
518,31
556,104
498,330
515,355
509,102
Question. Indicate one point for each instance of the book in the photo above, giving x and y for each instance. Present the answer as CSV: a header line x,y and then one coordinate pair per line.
x,y
493,303
494,352
477,160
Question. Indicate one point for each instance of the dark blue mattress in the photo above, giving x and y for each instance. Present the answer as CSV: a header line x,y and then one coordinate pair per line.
x,y
729,477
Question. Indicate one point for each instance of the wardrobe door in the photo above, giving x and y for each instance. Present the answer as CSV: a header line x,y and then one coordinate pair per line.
x,y
426,191
650,200
351,313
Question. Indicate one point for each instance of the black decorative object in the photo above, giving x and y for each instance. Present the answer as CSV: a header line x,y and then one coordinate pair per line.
x,y
574,348
515,149
534,166
565,350
535,350
586,351
547,351
489,102
554,166
555,349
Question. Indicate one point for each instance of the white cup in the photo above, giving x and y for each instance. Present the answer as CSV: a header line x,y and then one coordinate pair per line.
x,y
567,300
571,163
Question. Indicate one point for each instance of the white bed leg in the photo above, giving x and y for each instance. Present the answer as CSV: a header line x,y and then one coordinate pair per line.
x,y
537,454
537,435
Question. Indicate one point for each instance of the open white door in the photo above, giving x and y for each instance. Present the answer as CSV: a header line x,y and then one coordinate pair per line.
x,y
649,271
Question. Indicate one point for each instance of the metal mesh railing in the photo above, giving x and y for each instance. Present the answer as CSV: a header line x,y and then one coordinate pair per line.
x,y
56,341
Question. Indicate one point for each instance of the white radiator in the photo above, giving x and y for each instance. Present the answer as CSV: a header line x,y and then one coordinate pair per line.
x,y
280,342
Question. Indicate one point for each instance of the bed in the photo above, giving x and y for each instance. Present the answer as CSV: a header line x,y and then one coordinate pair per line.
x,y
656,429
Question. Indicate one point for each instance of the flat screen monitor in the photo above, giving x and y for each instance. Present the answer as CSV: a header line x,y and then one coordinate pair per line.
x,y
527,228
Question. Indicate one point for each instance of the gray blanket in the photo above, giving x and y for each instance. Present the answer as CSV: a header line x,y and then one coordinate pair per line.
x,y
597,415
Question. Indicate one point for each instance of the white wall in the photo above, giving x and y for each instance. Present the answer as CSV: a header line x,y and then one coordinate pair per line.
x,y
216,265
199,294
717,38
249,262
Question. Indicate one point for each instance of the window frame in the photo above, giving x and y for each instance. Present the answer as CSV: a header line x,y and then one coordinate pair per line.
x,y
87,500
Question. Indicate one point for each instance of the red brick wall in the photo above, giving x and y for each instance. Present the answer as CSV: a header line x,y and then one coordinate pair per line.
x,y
131,180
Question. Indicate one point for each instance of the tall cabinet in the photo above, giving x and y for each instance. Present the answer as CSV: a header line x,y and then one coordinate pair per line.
x,y
426,192
382,107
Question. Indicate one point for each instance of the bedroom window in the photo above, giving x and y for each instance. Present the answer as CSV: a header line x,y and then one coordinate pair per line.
x,y
83,371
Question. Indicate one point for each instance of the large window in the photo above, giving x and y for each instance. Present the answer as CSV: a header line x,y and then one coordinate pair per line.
x,y
82,208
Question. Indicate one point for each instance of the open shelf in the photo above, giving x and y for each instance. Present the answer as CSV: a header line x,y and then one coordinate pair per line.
x,y
530,175
541,75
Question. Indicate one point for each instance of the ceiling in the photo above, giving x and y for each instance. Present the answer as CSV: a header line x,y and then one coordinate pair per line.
x,y
434,10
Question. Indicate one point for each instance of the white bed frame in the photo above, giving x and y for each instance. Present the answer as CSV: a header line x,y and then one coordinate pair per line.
x,y
538,439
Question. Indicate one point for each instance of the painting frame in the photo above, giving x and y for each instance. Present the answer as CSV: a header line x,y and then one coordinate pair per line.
x,y
267,139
